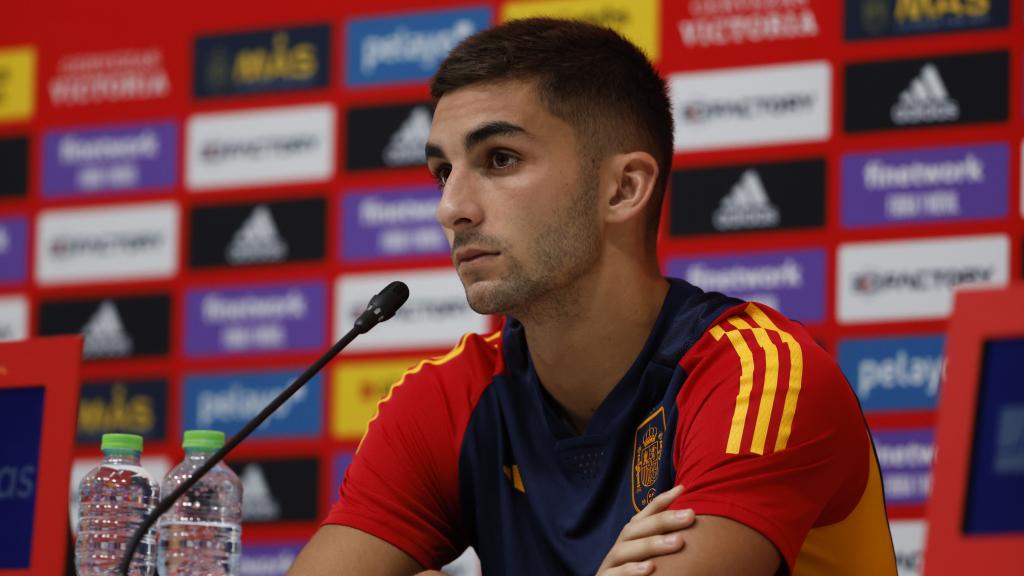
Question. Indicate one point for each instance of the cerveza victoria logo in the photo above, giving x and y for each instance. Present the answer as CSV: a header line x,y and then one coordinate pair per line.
x,y
262,61
709,24
894,373
13,167
391,224
109,77
228,401
113,328
118,158
254,234
927,92
135,407
792,282
882,18
407,47
21,422
925,185
748,197
388,136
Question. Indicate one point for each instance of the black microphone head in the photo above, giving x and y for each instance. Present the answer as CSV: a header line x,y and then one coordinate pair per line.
x,y
390,299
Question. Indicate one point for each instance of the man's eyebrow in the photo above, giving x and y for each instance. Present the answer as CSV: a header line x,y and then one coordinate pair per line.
x,y
434,151
490,129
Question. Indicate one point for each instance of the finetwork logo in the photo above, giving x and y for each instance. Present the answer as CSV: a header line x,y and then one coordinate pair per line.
x,y
228,401
894,373
905,458
746,206
13,250
408,47
258,240
926,100
111,77
710,24
391,224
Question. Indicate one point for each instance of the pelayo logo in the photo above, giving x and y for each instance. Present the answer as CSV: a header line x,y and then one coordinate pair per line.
x,y
894,373
905,457
395,223
21,417
882,18
408,47
228,401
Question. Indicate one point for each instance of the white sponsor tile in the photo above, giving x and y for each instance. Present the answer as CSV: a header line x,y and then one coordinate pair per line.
x,y
138,241
915,279
908,539
13,318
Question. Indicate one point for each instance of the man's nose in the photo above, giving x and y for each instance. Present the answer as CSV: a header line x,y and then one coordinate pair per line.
x,y
460,205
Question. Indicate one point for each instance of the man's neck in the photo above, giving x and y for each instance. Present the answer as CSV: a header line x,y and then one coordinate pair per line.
x,y
581,353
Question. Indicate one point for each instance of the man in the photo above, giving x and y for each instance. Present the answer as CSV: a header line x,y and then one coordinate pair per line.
x,y
542,444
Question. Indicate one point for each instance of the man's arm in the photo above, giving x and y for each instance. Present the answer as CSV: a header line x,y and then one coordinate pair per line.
x,y
341,550
718,545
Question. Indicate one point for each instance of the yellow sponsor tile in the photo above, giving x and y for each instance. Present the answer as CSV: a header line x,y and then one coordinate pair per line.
x,y
357,386
634,19
17,83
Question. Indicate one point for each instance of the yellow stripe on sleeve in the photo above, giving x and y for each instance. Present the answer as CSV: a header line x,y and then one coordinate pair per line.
x,y
771,383
739,415
796,373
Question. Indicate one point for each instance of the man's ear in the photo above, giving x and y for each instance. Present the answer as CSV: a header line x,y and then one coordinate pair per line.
x,y
629,185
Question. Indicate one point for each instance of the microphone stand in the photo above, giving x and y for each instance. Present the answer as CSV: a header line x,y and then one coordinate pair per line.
x,y
381,307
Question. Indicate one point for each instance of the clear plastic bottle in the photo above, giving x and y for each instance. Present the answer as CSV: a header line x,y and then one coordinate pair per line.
x,y
114,499
201,535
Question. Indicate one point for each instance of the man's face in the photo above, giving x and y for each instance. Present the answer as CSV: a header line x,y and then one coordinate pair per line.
x,y
518,208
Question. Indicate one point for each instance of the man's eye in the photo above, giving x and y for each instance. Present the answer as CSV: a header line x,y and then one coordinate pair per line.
x,y
442,175
502,160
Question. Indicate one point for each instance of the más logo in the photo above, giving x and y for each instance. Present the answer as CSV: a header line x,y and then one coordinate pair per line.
x,y
391,224
406,48
388,136
17,83
751,106
13,318
792,282
279,490
135,407
712,24
13,167
356,388
110,159
109,77
260,147
905,458
637,20
263,61
925,185
915,279
228,401
113,328
894,373
255,234
107,244
13,250
21,417
255,319
927,92
748,197
436,316
881,18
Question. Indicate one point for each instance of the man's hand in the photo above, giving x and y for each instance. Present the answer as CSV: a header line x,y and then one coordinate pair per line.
x,y
652,532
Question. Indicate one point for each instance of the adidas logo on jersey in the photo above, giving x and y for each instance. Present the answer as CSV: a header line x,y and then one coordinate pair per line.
x,y
746,206
257,240
105,336
406,145
259,503
925,100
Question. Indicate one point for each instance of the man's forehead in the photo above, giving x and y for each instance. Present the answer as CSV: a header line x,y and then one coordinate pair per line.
x,y
464,109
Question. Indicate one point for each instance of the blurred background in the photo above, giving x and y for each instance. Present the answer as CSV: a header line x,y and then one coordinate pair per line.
x,y
209,192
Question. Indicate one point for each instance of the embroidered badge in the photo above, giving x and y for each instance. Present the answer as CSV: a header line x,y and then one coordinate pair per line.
x,y
648,445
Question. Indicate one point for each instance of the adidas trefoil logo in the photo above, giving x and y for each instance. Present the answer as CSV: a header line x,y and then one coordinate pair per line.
x,y
257,240
406,145
925,100
105,336
746,206
259,503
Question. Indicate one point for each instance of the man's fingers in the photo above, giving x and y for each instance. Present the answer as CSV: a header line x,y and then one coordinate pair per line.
x,y
660,523
630,569
645,548
659,503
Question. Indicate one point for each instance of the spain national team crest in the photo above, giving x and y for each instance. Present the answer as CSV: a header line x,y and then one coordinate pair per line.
x,y
648,446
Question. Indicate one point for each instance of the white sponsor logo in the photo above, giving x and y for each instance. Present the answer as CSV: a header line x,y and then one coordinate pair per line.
x,y
752,106
257,240
925,100
156,466
107,244
908,537
105,336
1009,456
108,77
404,46
406,145
13,318
915,279
746,206
739,278
259,503
435,316
900,370
241,402
715,23
270,146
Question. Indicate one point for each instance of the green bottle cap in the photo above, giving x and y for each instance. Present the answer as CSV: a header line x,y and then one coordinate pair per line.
x,y
121,442
203,440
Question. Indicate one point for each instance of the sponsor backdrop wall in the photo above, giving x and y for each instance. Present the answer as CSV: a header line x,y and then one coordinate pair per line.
x,y
211,192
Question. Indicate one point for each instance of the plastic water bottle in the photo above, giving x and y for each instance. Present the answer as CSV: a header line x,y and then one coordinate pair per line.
x,y
201,535
114,499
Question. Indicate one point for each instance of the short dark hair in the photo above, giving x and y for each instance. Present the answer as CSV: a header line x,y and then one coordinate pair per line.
x,y
590,76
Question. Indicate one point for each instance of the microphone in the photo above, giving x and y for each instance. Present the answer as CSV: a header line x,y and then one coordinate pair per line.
x,y
381,307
